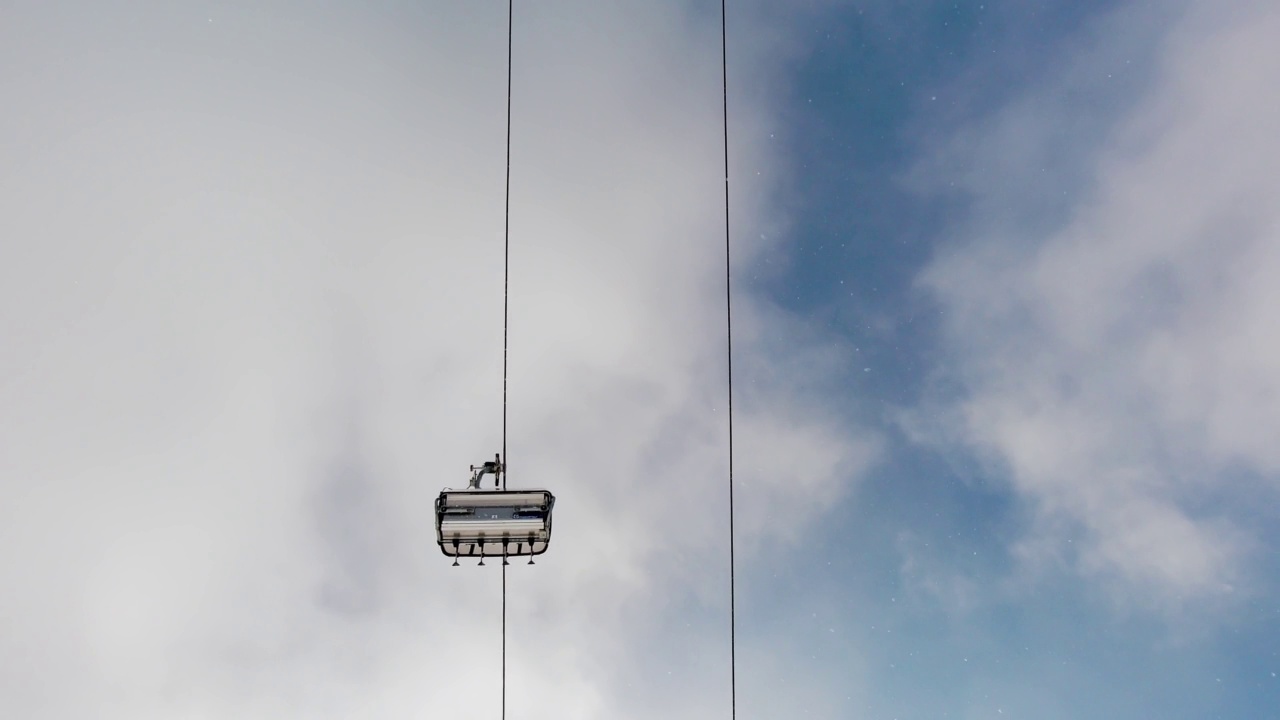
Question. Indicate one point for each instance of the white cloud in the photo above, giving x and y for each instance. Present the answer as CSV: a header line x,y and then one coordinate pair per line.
x,y
251,294
1122,368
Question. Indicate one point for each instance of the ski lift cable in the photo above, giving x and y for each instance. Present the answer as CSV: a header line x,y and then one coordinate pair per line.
x,y
506,287
728,314
479,522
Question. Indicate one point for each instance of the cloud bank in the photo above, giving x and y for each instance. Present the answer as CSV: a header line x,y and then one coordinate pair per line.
x,y
251,290
1116,358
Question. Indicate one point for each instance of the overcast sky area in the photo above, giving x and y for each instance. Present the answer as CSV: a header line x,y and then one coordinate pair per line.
x,y
1006,372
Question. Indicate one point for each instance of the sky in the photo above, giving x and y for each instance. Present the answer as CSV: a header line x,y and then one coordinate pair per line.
x,y
1004,366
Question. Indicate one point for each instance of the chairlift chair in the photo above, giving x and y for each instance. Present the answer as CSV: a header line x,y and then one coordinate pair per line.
x,y
494,523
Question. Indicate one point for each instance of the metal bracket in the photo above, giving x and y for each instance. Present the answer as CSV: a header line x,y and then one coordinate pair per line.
x,y
496,468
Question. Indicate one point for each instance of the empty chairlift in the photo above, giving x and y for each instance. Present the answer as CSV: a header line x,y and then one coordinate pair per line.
x,y
484,523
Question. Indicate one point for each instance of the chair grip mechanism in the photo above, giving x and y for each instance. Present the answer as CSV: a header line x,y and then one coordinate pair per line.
x,y
494,467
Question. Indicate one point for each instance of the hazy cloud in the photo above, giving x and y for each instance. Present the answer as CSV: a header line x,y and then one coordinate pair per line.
x,y
1118,361
251,296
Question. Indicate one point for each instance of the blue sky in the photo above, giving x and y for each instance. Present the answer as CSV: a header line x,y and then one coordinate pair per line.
x,y
1005,368
922,557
